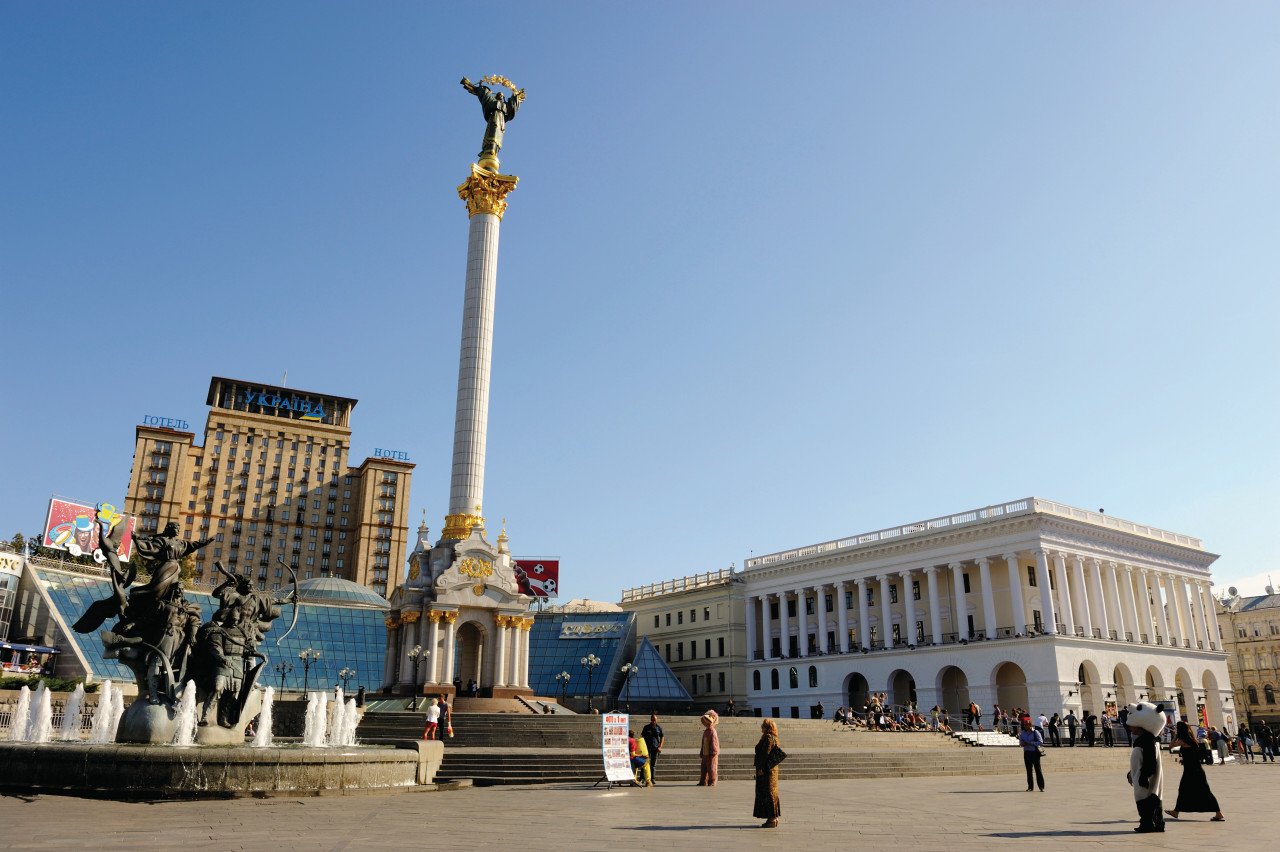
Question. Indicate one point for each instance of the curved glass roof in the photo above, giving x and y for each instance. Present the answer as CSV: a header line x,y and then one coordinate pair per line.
x,y
335,589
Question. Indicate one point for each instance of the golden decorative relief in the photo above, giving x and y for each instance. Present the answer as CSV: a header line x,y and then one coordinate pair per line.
x,y
449,616
434,616
410,617
478,589
413,570
499,80
484,192
392,622
476,569
458,527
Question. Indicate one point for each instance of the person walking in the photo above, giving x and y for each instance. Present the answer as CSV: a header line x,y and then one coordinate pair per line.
x,y
1266,742
709,752
654,738
1072,724
433,720
1054,737
768,756
446,715
1245,738
1108,739
1194,795
1031,742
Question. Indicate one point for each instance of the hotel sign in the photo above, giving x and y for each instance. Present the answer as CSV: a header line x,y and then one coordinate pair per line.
x,y
591,630
166,422
310,410
398,455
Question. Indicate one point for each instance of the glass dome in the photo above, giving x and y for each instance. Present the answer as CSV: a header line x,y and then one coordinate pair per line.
x,y
337,590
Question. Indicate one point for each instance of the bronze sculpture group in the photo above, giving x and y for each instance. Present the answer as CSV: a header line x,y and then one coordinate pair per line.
x,y
158,634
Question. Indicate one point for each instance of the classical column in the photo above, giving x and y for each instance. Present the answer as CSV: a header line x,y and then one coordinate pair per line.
x,y
959,623
1113,589
935,611
389,657
450,635
864,627
988,598
886,614
1177,607
1082,594
1047,614
1197,620
1016,603
1162,616
752,603
842,618
1100,620
784,627
513,658
820,604
1147,627
525,632
766,618
1064,592
408,638
1128,600
433,646
910,602
1206,600
500,670
802,616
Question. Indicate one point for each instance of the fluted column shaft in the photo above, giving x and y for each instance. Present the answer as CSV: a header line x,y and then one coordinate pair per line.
x,y
988,598
802,615
842,618
1100,617
1047,613
886,615
1016,602
784,626
752,603
500,670
1083,610
1162,618
433,648
910,602
864,624
820,607
1064,593
1179,607
1129,601
959,621
1146,626
1113,589
935,610
450,634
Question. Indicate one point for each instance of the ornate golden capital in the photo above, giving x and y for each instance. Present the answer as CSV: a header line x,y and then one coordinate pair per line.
x,y
449,616
458,527
410,617
526,623
434,616
484,192
392,622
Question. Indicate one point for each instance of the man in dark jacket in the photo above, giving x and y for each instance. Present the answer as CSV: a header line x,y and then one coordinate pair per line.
x,y
653,738
1072,724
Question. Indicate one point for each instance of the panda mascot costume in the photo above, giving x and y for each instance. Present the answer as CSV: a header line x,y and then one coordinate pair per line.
x,y
1146,721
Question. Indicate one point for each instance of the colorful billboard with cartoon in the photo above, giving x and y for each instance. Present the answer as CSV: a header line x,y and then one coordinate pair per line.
x,y
76,528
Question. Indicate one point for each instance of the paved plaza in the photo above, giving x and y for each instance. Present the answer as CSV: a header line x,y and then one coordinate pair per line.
x,y
1080,809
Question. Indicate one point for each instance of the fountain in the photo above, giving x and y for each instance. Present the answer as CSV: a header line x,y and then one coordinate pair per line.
x,y
69,731
21,715
40,727
186,721
317,719
262,739
103,731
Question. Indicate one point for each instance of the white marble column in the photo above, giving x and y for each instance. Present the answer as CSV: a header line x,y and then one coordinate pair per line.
x,y
784,627
513,658
766,629
450,635
390,658
1177,609
1083,613
1113,590
1129,600
820,608
842,618
525,633
959,613
1064,592
864,624
1198,639
988,598
802,615
886,614
751,627
500,669
1099,603
1206,600
910,603
1147,624
1016,603
433,648
1162,615
935,610
1047,613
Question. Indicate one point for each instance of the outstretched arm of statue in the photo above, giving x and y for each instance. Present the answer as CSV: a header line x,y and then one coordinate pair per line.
x,y
468,85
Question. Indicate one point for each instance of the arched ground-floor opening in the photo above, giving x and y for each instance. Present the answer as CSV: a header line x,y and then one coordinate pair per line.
x,y
857,691
953,689
470,653
1126,693
1213,700
902,688
1011,687
1091,692
1186,697
1155,692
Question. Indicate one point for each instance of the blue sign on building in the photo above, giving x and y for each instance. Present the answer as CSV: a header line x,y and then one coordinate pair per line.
x,y
398,455
166,422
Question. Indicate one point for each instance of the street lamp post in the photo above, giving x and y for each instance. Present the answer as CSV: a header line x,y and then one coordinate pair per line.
x,y
628,670
590,661
563,679
346,674
283,669
309,657
414,654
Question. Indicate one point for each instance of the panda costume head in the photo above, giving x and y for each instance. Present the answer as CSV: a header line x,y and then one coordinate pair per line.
x,y
1146,717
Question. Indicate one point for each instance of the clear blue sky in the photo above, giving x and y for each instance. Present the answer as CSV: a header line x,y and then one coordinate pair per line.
x,y
774,274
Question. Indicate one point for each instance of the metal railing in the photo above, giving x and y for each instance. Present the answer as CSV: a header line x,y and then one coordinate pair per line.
x,y
681,584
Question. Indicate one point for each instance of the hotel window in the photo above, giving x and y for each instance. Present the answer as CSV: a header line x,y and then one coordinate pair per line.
x,y
656,621
668,619
720,646
693,616
680,617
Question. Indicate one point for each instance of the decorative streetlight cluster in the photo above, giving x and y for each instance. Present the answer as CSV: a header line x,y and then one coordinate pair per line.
x,y
346,674
283,669
628,670
415,655
589,662
309,657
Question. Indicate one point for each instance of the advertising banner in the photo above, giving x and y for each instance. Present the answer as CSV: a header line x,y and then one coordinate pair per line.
x,y
538,577
617,753
77,527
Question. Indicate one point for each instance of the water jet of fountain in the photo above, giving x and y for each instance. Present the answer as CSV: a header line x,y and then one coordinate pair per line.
x,y
40,727
263,738
70,728
317,719
117,712
185,724
337,719
18,723
102,730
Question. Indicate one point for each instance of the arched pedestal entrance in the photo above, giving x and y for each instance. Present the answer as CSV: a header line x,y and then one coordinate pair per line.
x,y
470,656
1011,687
953,687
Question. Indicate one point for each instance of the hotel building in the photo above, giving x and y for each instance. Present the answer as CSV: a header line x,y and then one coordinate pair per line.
x,y
271,481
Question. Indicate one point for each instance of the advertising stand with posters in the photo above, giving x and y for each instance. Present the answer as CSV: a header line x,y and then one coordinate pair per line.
x,y
617,752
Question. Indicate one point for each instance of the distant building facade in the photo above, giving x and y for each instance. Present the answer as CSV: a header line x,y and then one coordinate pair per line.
x,y
270,481
1251,637
1030,603
696,624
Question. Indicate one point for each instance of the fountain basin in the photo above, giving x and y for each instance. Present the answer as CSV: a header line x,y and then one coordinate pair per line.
x,y
127,771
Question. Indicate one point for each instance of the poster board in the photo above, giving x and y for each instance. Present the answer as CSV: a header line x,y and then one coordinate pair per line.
x,y
613,744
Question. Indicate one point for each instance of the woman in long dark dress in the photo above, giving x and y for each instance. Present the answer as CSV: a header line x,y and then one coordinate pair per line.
x,y
1194,795
768,756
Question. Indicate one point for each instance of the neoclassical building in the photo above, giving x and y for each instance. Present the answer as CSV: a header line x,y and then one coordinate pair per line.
x,y
1251,638
1030,603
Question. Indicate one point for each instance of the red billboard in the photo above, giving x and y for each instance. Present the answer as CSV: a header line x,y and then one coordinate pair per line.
x,y
77,527
538,577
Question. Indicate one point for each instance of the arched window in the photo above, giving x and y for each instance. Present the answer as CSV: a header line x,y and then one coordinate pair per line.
x,y
794,678
755,680
813,675
773,680
1269,692
1253,694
